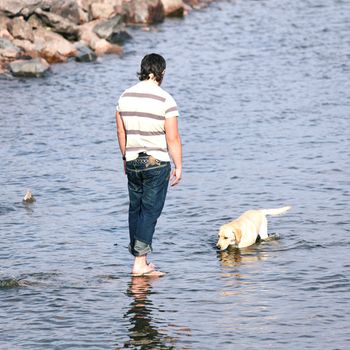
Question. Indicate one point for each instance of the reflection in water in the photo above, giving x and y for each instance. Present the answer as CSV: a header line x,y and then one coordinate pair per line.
x,y
233,257
144,331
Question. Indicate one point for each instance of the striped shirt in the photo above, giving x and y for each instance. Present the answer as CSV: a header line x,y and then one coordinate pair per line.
x,y
143,109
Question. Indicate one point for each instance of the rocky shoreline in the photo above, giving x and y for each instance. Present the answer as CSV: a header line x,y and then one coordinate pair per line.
x,y
37,33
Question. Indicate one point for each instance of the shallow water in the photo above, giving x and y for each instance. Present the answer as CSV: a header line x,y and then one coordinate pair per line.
x,y
263,89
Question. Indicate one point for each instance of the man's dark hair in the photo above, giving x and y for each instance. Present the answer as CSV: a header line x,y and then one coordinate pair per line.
x,y
152,63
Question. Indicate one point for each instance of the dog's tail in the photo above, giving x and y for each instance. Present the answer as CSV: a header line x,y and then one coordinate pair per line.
x,y
277,211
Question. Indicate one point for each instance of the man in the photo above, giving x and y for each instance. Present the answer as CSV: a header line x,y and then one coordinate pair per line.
x,y
147,131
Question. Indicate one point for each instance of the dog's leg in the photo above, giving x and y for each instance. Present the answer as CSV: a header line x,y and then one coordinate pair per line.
x,y
263,229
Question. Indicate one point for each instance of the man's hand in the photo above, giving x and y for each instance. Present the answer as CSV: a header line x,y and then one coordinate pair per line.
x,y
176,176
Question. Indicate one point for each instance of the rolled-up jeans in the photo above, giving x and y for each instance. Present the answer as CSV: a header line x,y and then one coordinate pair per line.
x,y
148,180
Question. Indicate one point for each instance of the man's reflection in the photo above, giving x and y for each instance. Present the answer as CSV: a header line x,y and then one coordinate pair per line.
x,y
143,331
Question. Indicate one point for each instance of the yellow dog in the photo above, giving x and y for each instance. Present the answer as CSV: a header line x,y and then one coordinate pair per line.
x,y
245,230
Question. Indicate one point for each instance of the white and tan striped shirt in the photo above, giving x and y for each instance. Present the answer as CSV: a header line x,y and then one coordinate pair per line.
x,y
143,109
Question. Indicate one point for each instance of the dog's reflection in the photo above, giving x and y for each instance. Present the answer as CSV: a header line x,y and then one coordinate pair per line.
x,y
233,257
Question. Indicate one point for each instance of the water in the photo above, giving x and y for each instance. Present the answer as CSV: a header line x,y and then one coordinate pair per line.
x,y
263,89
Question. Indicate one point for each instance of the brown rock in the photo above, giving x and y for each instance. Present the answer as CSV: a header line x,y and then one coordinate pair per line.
x,y
17,7
101,10
87,34
4,33
173,8
35,22
100,46
52,46
103,47
3,22
143,12
2,68
8,50
28,48
20,29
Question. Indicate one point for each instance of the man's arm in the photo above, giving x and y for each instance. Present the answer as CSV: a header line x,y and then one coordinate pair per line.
x,y
121,135
175,148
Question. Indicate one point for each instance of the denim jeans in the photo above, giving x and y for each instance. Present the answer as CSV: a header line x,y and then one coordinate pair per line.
x,y
148,180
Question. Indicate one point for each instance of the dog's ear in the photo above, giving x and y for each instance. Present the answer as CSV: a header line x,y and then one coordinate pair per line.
x,y
238,234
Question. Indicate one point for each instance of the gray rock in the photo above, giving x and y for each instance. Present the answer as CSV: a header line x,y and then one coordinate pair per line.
x,y
85,54
20,29
67,9
36,68
59,24
106,28
119,37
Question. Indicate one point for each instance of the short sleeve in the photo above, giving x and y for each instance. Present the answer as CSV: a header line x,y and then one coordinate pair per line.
x,y
117,108
171,109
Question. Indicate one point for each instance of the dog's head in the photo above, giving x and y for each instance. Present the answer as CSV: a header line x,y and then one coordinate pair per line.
x,y
228,235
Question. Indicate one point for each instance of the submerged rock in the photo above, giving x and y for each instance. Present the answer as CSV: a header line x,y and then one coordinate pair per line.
x,y
85,54
9,283
119,37
33,68
28,197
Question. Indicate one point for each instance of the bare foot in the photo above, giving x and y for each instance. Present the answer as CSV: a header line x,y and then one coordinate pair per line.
x,y
152,266
150,273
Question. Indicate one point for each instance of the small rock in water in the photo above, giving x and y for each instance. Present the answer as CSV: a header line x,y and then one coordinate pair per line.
x,y
29,198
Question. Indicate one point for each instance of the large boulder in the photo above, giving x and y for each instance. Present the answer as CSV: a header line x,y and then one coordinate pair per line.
x,y
143,12
59,24
7,49
52,46
20,29
36,67
173,8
